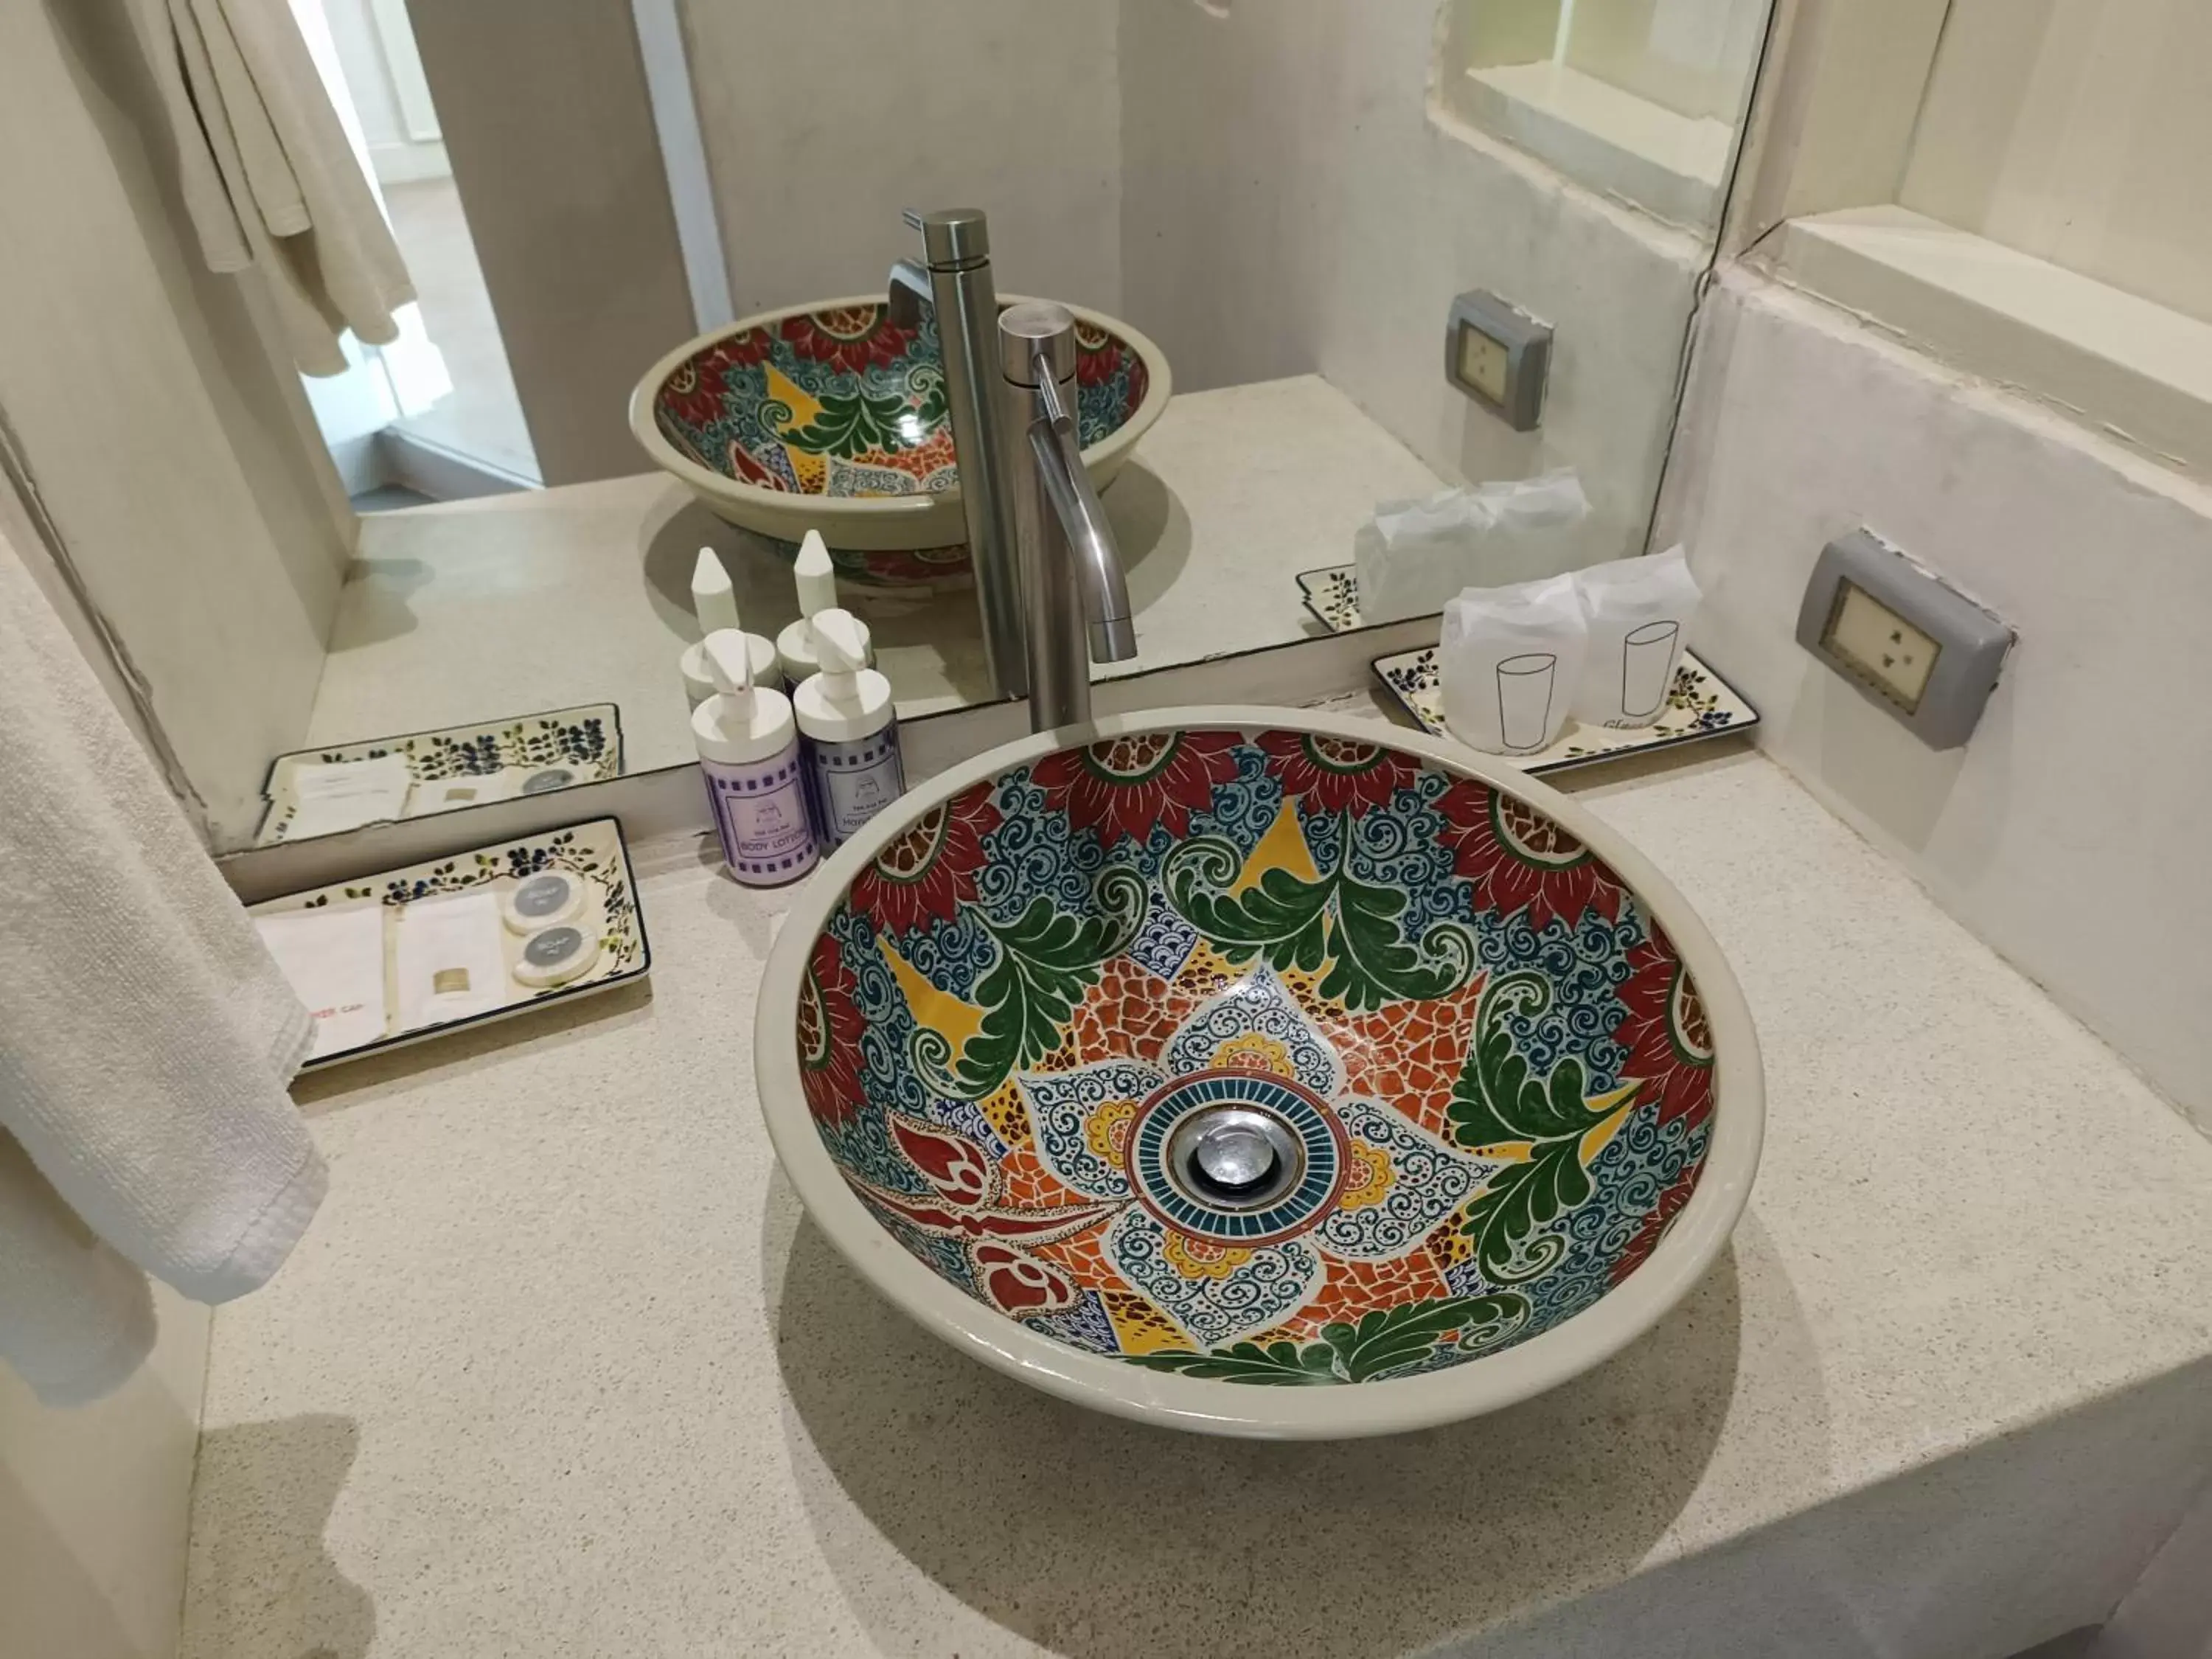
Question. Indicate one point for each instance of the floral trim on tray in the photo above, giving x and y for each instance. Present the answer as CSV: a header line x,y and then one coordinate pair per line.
x,y
1699,704
593,852
587,737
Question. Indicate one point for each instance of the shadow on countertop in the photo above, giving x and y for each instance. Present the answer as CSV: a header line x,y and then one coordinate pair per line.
x,y
1093,1536
261,1579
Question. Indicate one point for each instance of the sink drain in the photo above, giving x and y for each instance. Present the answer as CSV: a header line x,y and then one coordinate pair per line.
x,y
1237,1158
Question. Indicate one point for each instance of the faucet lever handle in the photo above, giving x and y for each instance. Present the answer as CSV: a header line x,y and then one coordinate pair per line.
x,y
913,219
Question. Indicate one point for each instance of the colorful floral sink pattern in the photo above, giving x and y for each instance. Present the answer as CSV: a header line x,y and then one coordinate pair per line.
x,y
1495,1067
846,402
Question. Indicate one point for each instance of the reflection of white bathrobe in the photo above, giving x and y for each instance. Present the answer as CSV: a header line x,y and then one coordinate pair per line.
x,y
267,174
145,1037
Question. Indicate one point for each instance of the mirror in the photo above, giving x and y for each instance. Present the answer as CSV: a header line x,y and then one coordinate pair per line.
x,y
1321,256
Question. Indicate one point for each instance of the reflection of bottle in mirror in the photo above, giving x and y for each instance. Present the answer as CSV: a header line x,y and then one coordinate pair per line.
x,y
817,578
748,745
845,715
715,603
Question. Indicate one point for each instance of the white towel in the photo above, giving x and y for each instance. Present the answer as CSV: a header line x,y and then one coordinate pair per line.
x,y
145,1035
267,174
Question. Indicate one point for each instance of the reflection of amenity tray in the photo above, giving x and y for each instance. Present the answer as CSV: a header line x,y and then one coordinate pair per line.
x,y
1700,704
592,853
587,738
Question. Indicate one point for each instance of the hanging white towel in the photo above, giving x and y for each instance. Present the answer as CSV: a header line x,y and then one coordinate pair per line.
x,y
146,1037
267,174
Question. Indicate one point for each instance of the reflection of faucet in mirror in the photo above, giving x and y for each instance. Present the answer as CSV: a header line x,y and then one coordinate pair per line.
x,y
1070,568
957,282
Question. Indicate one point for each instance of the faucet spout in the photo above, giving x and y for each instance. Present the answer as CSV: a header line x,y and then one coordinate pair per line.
x,y
909,292
1076,594
1068,486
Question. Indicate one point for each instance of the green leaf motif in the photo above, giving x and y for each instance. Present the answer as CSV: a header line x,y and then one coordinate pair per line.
x,y
1384,1343
1337,919
1280,1363
1520,1198
851,423
1048,959
1498,1099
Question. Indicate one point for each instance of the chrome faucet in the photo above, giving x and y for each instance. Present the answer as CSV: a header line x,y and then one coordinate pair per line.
x,y
955,282
1077,610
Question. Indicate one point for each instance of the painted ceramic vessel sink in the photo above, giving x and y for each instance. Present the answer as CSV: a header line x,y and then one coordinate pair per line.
x,y
1239,1072
830,416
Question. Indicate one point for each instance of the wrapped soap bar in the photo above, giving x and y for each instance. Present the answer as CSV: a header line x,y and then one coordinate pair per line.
x,y
1639,613
1412,556
1509,660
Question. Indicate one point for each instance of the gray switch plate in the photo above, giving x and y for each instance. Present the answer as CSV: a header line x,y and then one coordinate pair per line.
x,y
1919,649
1500,355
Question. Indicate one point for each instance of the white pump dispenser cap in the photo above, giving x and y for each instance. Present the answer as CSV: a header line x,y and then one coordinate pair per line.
x,y
714,602
817,578
714,597
817,575
744,722
847,699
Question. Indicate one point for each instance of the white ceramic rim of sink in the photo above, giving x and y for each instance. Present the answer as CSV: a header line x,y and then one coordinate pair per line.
x,y
1351,1410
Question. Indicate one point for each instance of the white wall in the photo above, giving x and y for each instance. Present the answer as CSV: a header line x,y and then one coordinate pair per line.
x,y
95,1503
1292,202
823,119
180,465
2070,832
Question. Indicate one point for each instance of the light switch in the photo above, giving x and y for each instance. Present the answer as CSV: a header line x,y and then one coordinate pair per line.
x,y
1913,644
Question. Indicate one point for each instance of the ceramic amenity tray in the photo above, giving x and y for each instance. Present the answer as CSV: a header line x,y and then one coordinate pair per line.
x,y
1700,704
586,739
592,853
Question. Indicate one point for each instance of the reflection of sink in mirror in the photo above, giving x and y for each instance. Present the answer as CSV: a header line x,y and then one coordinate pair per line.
x,y
1237,1049
833,416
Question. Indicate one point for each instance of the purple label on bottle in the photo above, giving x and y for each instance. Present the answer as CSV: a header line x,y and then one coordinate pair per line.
x,y
851,782
760,812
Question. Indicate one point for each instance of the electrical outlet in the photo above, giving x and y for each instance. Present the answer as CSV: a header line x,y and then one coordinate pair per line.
x,y
1500,355
1885,648
1913,644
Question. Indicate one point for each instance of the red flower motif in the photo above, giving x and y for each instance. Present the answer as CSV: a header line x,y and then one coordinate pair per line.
x,y
852,340
1518,857
967,1209
1669,1043
927,873
1333,773
748,346
829,1027
691,395
1097,355
1646,1237
1018,1283
1124,785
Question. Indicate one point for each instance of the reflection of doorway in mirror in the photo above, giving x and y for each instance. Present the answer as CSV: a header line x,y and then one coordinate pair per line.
x,y
435,414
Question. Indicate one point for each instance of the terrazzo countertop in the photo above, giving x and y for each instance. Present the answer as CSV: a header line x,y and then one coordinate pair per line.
x,y
562,1369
